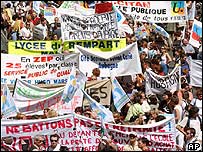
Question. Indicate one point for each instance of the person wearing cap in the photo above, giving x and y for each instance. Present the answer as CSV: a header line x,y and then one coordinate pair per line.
x,y
133,144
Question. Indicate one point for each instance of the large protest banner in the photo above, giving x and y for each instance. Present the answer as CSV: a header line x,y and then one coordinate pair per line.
x,y
32,99
89,27
99,88
169,12
52,69
156,84
118,63
97,45
196,34
195,72
33,47
81,133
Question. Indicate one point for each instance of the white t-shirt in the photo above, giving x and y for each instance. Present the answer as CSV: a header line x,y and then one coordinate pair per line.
x,y
180,110
197,104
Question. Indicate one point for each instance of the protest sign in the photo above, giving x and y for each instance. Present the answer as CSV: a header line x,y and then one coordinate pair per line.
x,y
8,106
99,88
195,72
67,4
191,8
114,61
141,32
36,6
39,33
24,91
196,34
32,99
103,7
81,133
156,84
170,11
97,45
33,47
52,69
50,13
97,26
120,98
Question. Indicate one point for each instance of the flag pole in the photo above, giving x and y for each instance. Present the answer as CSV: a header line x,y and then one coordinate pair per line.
x,y
179,64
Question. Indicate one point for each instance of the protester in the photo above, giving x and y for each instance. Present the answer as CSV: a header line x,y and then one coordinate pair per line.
x,y
37,144
107,144
133,144
55,146
143,144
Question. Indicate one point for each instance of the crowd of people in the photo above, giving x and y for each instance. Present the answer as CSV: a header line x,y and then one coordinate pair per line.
x,y
157,53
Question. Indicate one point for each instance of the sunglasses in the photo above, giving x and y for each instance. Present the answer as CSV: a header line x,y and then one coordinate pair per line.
x,y
40,140
53,140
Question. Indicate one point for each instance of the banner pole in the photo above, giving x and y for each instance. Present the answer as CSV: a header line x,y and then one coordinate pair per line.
x,y
179,64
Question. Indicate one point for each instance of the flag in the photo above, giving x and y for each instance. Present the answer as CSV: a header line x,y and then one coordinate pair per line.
x,y
71,87
8,106
103,130
120,98
36,6
196,34
122,22
99,109
141,32
159,29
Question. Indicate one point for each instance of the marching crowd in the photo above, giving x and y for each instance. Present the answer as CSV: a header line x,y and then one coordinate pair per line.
x,y
157,53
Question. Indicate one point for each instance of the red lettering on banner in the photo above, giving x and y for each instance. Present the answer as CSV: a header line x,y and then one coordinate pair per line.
x,y
18,72
43,59
12,129
130,3
38,74
35,127
68,123
26,128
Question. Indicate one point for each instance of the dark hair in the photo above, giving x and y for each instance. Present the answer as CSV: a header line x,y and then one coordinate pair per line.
x,y
192,130
168,93
175,99
55,135
159,118
153,99
78,109
144,140
193,110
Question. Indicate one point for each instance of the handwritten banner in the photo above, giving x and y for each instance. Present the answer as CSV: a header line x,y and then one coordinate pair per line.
x,y
97,26
156,84
52,69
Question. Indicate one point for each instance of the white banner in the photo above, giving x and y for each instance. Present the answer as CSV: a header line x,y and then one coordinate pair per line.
x,y
161,12
24,91
196,34
118,63
97,26
52,69
195,72
81,133
156,84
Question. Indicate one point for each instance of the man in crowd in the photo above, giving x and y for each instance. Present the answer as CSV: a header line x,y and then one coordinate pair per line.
x,y
55,146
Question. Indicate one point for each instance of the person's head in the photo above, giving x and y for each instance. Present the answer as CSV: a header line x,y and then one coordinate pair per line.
x,y
116,116
193,112
143,142
133,137
55,37
175,99
43,21
56,20
54,139
199,94
160,118
21,116
45,112
136,98
38,140
153,99
163,50
96,72
78,110
8,140
167,95
52,113
146,63
27,25
190,133
154,113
